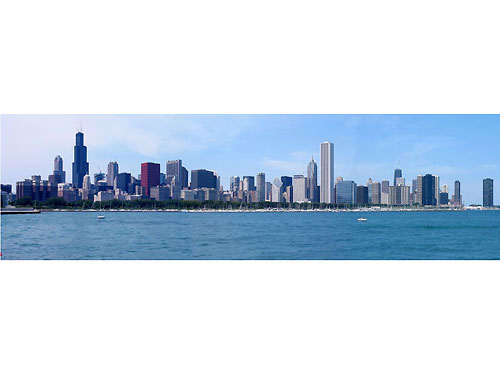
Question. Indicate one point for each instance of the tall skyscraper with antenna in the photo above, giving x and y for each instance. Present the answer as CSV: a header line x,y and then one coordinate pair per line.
x,y
80,164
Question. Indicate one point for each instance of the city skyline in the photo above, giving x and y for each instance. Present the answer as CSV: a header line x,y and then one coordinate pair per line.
x,y
219,144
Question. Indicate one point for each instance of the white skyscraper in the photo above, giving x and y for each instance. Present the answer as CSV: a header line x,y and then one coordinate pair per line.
x,y
327,190
299,188
86,182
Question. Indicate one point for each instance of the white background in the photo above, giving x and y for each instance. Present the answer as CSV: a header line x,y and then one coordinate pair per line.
x,y
249,317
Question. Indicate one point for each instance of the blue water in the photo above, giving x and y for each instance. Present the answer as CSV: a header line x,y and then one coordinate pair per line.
x,y
292,235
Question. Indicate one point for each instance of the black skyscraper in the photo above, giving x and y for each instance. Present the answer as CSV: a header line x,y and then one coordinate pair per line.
x,y
429,190
488,192
397,174
80,165
201,178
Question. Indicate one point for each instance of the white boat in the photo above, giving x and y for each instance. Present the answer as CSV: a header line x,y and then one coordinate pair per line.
x,y
362,219
101,217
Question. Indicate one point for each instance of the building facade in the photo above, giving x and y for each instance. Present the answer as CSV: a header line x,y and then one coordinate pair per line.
x,y
488,192
80,164
260,186
312,179
327,190
112,173
150,176
299,185
346,192
201,178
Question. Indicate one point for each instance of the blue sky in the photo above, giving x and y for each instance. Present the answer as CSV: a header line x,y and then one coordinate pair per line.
x,y
464,147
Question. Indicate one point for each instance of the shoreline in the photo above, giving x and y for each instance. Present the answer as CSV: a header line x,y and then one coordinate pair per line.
x,y
361,210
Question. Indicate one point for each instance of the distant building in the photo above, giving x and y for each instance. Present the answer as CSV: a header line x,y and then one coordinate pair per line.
x,y
261,187
24,189
159,193
369,185
376,193
162,178
277,190
175,169
234,184
362,195
443,198
67,192
248,183
398,173
288,194
103,196
327,190
384,194
184,178
112,173
345,192
150,176
99,177
80,164
210,194
428,190
7,188
188,195
58,175
399,195
456,200
312,179
488,192
123,182
201,178
269,191
400,181
299,193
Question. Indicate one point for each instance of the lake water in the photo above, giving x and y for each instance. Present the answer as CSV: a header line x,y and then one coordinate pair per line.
x,y
279,235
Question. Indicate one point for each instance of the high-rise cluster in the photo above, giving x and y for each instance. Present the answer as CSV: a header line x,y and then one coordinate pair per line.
x,y
204,185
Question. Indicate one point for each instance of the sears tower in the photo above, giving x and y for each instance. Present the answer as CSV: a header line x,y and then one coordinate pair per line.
x,y
80,165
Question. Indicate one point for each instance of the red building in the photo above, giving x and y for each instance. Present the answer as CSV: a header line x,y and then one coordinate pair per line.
x,y
150,176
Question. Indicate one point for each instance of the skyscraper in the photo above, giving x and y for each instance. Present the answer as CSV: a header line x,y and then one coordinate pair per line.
x,y
457,197
234,184
248,183
150,176
184,178
276,194
430,190
376,193
384,193
123,181
397,174
175,169
488,192
261,187
112,173
361,195
327,173
86,182
286,181
312,179
299,188
80,164
58,176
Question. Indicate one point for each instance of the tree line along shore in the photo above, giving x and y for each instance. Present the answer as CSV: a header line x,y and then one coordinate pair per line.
x,y
143,204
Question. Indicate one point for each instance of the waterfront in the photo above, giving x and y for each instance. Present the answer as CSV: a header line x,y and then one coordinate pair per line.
x,y
274,236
